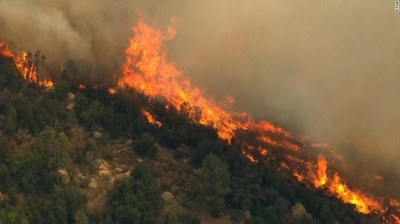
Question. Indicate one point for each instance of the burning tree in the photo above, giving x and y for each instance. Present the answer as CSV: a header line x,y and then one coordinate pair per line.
x,y
32,66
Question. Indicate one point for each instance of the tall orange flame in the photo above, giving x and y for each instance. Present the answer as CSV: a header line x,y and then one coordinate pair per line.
x,y
321,172
151,119
147,70
24,66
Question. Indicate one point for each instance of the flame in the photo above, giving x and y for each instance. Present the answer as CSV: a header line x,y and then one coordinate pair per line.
x,y
150,118
112,90
25,66
147,70
363,203
5,51
321,172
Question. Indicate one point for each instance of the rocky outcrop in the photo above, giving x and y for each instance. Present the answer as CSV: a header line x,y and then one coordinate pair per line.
x,y
71,106
167,197
71,102
71,96
118,170
92,183
97,134
64,177
105,174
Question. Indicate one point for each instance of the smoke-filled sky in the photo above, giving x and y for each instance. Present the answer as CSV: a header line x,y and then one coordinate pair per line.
x,y
330,69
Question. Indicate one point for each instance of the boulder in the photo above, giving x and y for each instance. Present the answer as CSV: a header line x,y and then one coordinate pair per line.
x,y
93,184
197,172
104,165
124,167
139,160
167,197
71,106
71,96
105,174
64,177
97,134
118,170
81,176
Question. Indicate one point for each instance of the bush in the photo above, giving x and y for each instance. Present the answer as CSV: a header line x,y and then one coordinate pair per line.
x,y
144,148
178,155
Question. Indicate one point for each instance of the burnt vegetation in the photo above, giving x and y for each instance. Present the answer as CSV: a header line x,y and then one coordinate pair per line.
x,y
44,140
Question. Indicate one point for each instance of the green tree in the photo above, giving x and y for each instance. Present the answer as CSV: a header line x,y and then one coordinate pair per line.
x,y
172,218
214,184
80,217
136,200
11,119
61,90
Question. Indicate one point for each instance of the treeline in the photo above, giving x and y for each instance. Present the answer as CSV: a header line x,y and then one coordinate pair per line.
x,y
41,137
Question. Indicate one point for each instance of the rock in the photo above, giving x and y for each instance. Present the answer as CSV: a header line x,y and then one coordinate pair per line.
x,y
247,215
105,174
93,184
124,167
1,197
104,165
64,177
81,176
167,197
71,106
118,170
128,174
298,211
197,172
71,96
139,160
97,134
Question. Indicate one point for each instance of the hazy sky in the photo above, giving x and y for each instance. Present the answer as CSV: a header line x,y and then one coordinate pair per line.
x,y
330,69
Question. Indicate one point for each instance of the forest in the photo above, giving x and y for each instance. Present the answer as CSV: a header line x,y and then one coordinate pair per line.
x,y
85,154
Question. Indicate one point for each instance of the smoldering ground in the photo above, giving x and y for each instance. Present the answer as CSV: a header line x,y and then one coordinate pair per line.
x,y
329,69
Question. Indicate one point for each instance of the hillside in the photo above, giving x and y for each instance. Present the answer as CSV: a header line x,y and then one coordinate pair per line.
x,y
92,154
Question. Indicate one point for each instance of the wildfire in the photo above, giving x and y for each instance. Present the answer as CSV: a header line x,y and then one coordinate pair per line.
x,y
26,65
147,70
112,90
150,118
321,172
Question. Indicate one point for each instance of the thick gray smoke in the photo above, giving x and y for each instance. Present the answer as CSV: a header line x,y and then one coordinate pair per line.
x,y
88,36
330,69
327,68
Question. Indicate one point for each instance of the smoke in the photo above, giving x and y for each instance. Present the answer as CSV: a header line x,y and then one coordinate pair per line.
x,y
329,69
90,36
